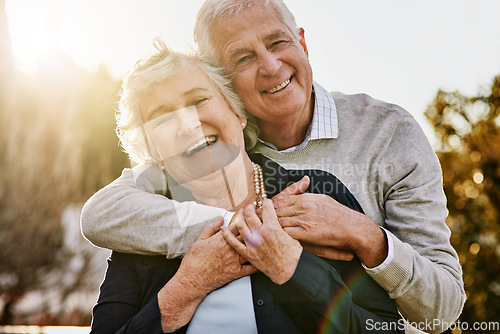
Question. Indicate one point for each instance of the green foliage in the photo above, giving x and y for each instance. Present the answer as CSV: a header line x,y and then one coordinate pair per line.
x,y
469,133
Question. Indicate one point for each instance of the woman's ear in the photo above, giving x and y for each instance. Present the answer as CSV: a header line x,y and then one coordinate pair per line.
x,y
243,122
162,165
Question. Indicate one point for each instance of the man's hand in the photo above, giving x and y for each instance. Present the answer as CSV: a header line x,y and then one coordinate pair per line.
x,y
328,228
264,243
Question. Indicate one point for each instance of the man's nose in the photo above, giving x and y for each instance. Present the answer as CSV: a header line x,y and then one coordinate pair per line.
x,y
269,64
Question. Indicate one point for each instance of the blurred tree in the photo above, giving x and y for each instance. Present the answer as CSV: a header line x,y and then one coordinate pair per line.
x,y
103,159
40,163
57,147
468,129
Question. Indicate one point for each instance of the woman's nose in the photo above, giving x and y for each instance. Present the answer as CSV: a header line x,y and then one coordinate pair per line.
x,y
188,121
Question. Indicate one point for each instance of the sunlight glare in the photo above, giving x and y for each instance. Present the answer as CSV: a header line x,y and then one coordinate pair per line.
x,y
32,42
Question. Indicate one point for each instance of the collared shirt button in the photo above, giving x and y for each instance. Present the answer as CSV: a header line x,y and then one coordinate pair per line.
x,y
260,302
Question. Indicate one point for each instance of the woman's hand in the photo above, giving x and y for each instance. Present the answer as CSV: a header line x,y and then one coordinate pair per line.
x,y
264,243
209,264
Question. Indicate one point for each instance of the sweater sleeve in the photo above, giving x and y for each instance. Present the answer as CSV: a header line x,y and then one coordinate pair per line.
x,y
424,276
341,301
133,215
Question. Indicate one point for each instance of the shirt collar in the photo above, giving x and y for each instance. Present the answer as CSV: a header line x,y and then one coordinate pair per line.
x,y
324,124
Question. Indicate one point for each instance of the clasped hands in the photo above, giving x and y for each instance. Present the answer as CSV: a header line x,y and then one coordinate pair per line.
x,y
262,241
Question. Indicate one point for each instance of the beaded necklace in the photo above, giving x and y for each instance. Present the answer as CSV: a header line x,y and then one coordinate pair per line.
x,y
258,180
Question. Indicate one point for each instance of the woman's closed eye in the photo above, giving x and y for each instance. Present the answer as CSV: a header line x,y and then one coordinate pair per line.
x,y
200,101
163,119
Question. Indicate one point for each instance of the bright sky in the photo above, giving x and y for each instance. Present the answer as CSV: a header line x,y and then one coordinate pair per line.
x,y
401,52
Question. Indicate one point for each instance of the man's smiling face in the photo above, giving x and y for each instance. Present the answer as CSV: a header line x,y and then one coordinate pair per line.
x,y
268,65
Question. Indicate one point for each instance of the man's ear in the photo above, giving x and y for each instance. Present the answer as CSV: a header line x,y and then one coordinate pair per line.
x,y
302,41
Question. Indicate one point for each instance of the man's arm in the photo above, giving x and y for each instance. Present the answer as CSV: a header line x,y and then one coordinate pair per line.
x,y
317,294
132,215
423,275
306,286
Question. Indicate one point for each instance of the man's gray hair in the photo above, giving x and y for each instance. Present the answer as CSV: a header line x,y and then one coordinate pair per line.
x,y
153,70
212,11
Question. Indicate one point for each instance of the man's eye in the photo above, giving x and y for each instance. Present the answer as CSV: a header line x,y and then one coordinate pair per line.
x,y
242,59
280,42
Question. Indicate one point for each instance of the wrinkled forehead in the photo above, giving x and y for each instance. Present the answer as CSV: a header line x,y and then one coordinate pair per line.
x,y
255,23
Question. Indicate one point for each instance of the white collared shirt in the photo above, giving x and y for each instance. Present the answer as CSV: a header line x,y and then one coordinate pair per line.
x,y
324,124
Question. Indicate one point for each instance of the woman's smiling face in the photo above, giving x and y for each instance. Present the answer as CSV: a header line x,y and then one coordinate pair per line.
x,y
190,126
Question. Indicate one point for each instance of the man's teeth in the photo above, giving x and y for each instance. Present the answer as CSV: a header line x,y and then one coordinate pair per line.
x,y
278,88
201,144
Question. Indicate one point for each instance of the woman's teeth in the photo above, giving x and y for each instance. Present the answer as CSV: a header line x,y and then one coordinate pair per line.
x,y
278,88
201,144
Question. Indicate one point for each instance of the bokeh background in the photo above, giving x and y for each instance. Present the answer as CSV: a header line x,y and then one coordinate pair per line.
x,y
61,64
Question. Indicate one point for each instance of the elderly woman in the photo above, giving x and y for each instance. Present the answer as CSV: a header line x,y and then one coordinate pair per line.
x,y
179,112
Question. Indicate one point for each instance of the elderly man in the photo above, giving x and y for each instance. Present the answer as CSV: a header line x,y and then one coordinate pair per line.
x,y
375,148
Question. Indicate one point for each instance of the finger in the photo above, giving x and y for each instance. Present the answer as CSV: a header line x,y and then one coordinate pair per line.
x,y
258,211
211,228
329,252
233,229
289,221
254,239
287,206
247,269
242,260
238,246
294,189
268,213
232,224
297,233
251,219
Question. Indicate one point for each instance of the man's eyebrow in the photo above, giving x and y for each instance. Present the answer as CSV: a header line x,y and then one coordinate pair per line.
x,y
236,52
276,34
272,36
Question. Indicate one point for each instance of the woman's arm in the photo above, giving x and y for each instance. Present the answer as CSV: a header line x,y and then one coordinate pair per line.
x,y
143,294
123,305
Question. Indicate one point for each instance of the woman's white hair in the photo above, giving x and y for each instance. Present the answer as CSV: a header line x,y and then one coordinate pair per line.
x,y
213,11
155,69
